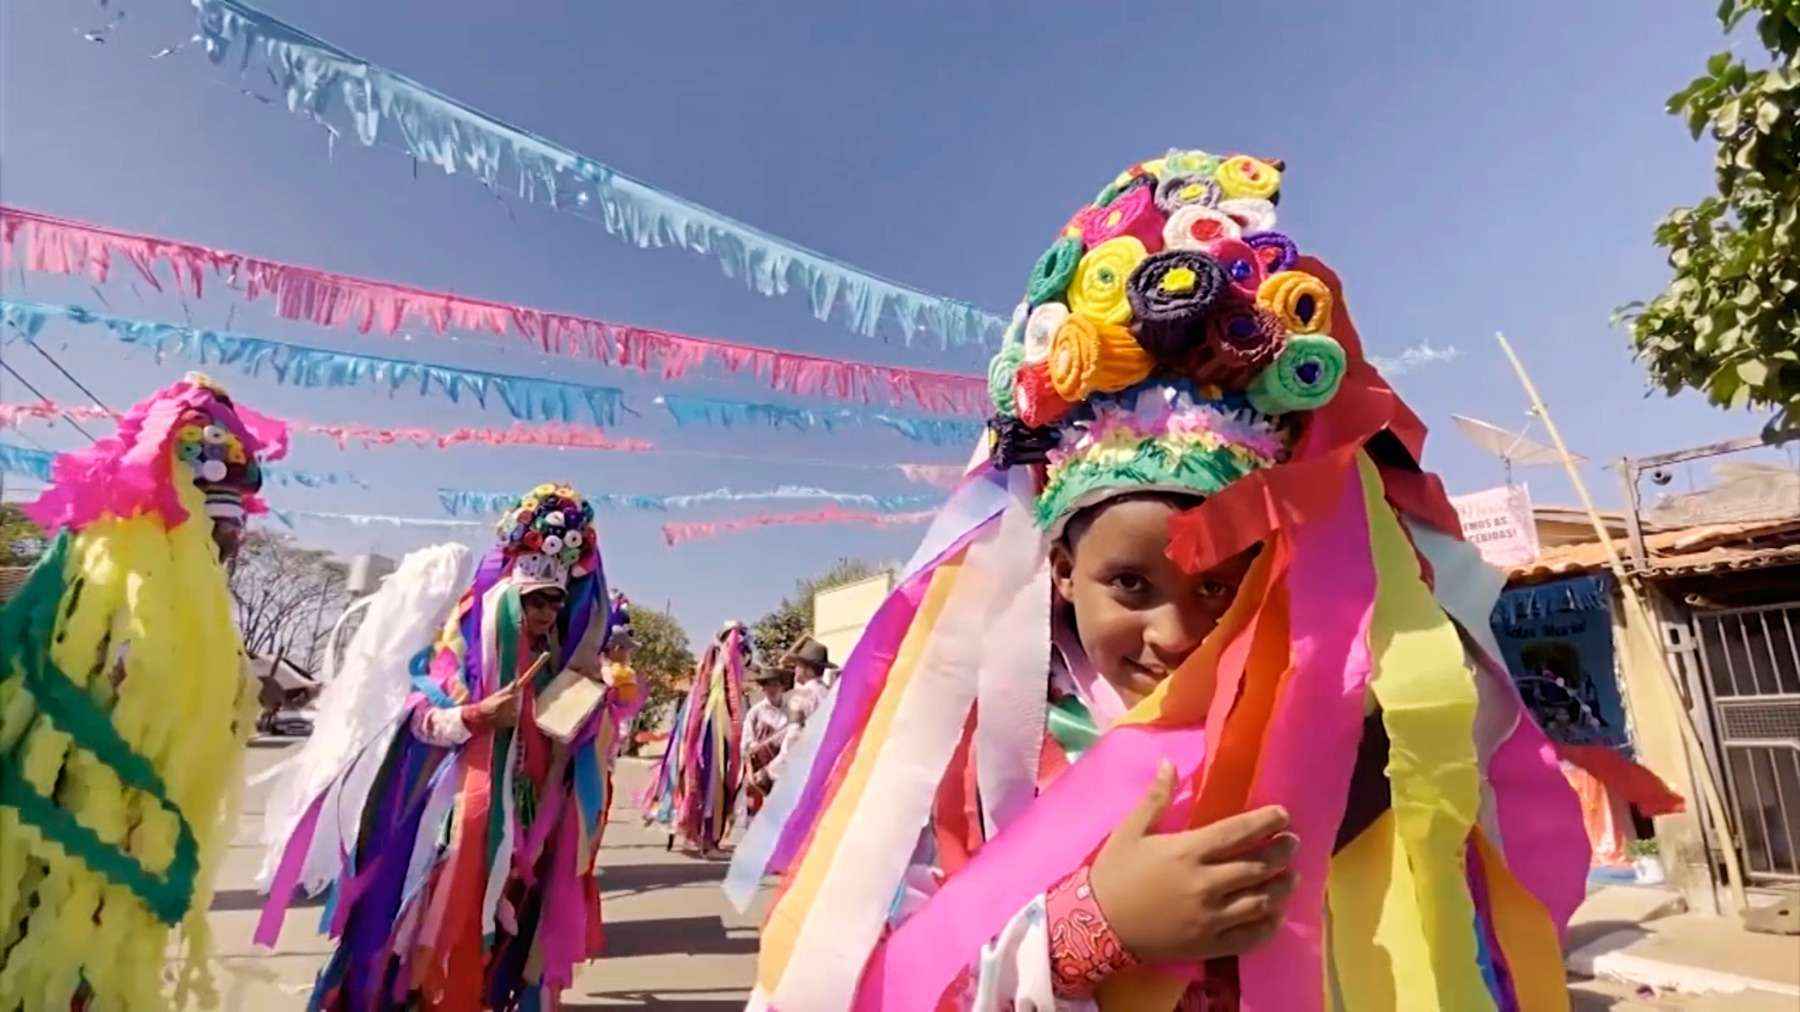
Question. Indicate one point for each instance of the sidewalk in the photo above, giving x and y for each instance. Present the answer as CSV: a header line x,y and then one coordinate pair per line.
x,y
1632,947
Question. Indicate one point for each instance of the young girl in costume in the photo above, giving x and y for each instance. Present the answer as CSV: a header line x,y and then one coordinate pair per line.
x,y
124,707
468,834
1191,684
696,788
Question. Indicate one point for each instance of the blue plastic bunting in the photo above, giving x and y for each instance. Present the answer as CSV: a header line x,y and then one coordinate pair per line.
x,y
525,398
713,411
324,83
464,502
23,460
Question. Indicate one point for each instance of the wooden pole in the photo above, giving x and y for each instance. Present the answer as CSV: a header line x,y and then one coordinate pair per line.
x,y
1715,807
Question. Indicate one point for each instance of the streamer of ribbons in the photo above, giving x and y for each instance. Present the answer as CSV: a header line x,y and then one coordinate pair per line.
x,y
716,411
45,243
461,502
525,398
680,533
281,475
326,84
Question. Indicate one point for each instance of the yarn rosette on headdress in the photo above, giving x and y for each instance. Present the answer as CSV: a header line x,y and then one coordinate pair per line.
x,y
1003,374
1242,338
1304,377
1054,270
1276,251
553,521
1170,294
1176,192
1098,288
1195,225
1243,268
1253,214
1087,357
1133,213
1244,176
1299,300
1041,328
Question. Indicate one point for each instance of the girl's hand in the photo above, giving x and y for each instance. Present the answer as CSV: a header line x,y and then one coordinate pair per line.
x,y
1219,890
501,709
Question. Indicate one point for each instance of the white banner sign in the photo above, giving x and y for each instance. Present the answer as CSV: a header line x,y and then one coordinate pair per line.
x,y
1497,521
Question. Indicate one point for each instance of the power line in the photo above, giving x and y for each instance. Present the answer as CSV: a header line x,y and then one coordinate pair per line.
x,y
42,397
71,378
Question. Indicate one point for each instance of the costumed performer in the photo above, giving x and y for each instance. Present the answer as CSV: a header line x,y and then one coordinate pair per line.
x,y
765,725
470,834
1191,683
125,705
696,790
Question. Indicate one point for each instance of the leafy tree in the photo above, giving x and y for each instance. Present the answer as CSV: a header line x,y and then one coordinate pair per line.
x,y
662,660
777,630
1728,323
21,542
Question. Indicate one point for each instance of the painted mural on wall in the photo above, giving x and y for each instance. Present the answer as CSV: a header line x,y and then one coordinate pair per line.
x,y
1558,642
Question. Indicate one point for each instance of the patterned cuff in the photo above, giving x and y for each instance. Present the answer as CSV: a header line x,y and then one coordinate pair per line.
x,y
1084,950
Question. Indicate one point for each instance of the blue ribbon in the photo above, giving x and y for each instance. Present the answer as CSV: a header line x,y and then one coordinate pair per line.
x,y
310,479
324,83
526,398
714,411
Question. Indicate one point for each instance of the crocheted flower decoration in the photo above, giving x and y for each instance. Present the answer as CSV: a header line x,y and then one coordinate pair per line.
x,y
554,521
1171,287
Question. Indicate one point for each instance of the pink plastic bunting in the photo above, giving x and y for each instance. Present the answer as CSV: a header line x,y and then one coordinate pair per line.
x,y
43,242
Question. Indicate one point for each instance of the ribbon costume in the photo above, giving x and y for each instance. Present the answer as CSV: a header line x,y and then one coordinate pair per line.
x,y
124,706
1171,340
459,848
696,786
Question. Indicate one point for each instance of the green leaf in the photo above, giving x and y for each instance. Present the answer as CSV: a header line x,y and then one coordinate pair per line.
x,y
1754,373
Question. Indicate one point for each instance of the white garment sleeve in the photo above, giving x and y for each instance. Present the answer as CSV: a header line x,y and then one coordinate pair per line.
x,y
441,727
1013,973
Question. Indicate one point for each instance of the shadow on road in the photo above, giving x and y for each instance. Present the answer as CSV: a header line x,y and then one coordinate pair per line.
x,y
674,935
637,877
251,899
666,998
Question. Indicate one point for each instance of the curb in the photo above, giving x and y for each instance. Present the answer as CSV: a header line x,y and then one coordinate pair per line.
x,y
1608,957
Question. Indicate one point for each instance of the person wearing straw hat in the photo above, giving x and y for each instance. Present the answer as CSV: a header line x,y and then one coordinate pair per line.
x,y
765,724
467,876
1189,698
811,664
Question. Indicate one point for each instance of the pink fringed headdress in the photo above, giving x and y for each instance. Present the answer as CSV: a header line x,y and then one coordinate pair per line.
x,y
131,471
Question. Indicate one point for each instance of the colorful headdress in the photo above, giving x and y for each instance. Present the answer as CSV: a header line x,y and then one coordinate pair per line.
x,y
1166,341
548,534
191,432
1171,339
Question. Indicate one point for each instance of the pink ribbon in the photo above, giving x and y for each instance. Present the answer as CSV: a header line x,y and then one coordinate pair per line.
x,y
287,875
675,534
1055,836
61,246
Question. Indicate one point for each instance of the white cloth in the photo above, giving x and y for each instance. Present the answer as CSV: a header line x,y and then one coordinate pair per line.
x,y
444,728
763,725
809,696
357,709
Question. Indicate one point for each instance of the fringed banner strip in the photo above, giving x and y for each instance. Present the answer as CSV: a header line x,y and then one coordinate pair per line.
x,y
23,460
326,84
460,502
715,411
524,397
676,534
42,242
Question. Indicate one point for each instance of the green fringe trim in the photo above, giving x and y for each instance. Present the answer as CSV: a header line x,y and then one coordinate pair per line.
x,y
1155,464
27,624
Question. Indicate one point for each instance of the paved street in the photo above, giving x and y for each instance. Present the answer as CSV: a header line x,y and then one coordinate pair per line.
x,y
672,940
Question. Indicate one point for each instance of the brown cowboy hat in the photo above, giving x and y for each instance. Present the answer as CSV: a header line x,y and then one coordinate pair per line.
x,y
769,673
809,651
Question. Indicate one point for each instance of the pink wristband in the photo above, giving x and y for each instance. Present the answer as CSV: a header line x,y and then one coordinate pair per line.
x,y
1084,949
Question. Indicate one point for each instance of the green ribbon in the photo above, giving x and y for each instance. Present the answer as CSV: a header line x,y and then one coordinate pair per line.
x,y
26,626
1072,726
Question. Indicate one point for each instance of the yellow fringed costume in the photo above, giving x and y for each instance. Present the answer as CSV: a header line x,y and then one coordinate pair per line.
x,y
124,709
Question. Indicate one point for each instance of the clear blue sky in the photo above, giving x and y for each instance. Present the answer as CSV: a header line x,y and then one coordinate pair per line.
x,y
1467,168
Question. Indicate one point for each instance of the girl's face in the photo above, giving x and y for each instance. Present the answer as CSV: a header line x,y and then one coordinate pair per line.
x,y
1137,613
540,612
